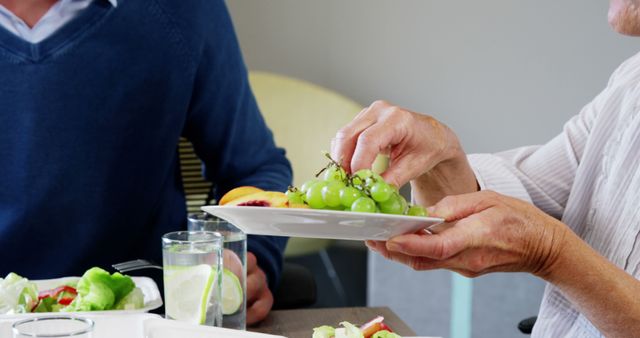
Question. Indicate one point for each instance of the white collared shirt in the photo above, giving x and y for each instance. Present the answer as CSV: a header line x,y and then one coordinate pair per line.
x,y
589,177
57,16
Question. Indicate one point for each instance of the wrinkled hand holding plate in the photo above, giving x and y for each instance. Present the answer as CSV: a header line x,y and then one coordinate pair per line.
x,y
291,222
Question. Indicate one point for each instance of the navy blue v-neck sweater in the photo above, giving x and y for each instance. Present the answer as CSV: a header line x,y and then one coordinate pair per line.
x,y
90,119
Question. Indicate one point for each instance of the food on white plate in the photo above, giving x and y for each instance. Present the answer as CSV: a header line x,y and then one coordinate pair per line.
x,y
376,328
254,197
332,189
17,294
96,290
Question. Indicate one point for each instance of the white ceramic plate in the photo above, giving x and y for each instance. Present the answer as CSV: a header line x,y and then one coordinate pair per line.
x,y
152,298
312,223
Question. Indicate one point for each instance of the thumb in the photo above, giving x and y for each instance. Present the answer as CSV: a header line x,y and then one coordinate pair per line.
x,y
400,172
453,208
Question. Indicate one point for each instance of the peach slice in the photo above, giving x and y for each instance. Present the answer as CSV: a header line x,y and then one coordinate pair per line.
x,y
298,205
237,193
274,199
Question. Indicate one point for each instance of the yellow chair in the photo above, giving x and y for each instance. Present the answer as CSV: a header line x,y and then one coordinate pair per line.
x,y
304,117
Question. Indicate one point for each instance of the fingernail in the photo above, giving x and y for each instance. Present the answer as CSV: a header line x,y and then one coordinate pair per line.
x,y
393,246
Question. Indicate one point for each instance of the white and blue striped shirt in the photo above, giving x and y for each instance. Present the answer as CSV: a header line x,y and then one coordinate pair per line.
x,y
589,177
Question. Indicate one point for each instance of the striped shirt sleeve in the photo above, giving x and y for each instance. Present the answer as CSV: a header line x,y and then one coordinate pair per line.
x,y
543,174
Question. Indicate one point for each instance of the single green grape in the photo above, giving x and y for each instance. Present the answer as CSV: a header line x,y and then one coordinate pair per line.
x,y
381,191
348,195
405,204
360,176
364,174
363,204
306,185
295,196
314,196
417,210
394,205
334,173
369,182
365,178
331,193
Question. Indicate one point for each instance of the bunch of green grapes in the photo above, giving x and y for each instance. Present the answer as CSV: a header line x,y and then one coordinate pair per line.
x,y
363,191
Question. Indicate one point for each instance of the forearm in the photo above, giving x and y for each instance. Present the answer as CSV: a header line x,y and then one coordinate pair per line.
x,y
607,295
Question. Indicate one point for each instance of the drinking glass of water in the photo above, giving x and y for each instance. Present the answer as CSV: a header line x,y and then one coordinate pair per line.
x,y
234,284
192,266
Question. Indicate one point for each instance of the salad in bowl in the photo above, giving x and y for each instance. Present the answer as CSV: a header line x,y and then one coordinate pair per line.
x,y
375,328
96,290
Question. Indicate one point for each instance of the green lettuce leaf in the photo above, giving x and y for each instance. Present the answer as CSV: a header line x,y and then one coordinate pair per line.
x,y
98,290
17,294
351,331
133,300
385,334
324,331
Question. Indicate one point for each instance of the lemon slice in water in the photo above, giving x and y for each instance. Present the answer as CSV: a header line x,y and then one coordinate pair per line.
x,y
188,291
232,294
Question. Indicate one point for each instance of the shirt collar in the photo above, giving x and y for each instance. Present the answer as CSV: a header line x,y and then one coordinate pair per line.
x,y
113,3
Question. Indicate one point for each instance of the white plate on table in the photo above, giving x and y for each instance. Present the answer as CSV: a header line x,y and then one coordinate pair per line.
x,y
313,223
149,288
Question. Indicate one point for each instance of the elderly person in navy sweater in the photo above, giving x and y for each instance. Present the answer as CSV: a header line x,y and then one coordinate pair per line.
x,y
94,95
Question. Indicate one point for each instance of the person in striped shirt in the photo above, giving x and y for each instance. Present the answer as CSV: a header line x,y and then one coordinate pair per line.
x,y
567,211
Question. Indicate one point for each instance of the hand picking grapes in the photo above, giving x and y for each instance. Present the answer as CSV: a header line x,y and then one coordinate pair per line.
x,y
363,191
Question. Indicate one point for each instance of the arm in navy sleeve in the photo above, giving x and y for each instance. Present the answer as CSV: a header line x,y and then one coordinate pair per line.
x,y
228,132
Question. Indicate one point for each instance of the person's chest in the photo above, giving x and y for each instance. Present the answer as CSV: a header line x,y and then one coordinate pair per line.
x,y
96,99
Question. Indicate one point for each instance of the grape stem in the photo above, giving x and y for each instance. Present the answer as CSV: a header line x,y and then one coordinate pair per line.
x,y
349,179
327,155
322,170
332,162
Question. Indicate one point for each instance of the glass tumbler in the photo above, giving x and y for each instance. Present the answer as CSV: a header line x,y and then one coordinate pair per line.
x,y
53,326
234,284
192,268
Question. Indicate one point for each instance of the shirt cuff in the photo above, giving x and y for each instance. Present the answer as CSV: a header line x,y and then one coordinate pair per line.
x,y
492,173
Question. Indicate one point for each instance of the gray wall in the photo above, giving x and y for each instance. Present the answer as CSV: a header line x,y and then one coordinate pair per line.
x,y
502,73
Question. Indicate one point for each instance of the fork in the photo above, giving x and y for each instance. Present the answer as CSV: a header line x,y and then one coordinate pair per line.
x,y
136,264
